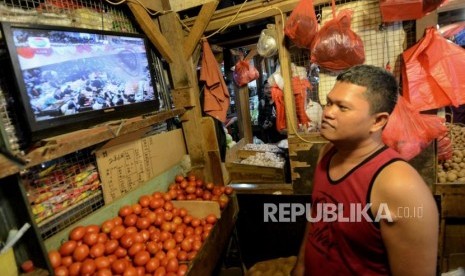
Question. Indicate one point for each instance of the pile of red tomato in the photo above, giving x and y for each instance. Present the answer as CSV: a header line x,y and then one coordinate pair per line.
x,y
150,237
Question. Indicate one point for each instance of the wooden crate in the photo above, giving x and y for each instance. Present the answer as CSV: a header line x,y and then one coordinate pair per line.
x,y
245,173
211,250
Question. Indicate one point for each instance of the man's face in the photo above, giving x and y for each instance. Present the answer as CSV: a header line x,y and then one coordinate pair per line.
x,y
267,90
346,117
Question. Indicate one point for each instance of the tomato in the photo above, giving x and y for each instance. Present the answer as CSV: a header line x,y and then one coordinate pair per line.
x,y
27,266
190,190
90,238
66,261
191,197
61,271
161,271
102,263
104,272
88,267
173,194
108,225
178,178
130,220
130,271
182,270
117,232
93,229
207,195
169,244
144,201
187,219
55,258
195,222
136,208
135,248
152,247
191,255
81,252
182,256
67,248
77,233
145,235
160,255
118,220
97,250
126,241
74,269
191,177
141,258
168,216
186,245
124,211
223,200
140,271
228,190
142,223
131,230
119,266
172,265
209,186
121,252
157,195
156,203
172,253
196,245
152,265
183,184
110,246
102,238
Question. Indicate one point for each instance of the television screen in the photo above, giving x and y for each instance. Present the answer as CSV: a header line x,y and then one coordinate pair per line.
x,y
66,76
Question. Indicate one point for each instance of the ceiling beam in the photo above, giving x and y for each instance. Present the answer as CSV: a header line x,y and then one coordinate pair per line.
x,y
199,27
176,5
251,11
152,31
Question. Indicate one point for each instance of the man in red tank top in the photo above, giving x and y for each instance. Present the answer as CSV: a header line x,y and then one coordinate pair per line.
x,y
372,213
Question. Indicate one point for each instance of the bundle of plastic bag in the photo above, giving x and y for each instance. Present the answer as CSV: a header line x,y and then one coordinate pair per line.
x,y
336,47
400,10
267,45
244,73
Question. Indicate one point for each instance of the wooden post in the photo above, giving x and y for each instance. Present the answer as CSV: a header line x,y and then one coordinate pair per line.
x,y
183,76
285,64
243,114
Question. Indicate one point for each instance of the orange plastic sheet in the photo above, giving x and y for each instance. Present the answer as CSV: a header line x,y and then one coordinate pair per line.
x,y
400,10
433,74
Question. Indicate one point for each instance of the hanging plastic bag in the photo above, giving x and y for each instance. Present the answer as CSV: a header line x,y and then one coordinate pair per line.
x,y
432,73
278,97
267,45
244,73
400,10
444,147
336,47
409,132
302,25
299,88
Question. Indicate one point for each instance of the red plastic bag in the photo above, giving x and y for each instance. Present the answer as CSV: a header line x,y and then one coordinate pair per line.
x,y
336,47
299,87
244,73
409,132
400,10
432,73
445,150
278,97
302,25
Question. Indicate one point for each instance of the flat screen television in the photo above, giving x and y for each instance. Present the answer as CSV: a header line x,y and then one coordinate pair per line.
x,y
66,79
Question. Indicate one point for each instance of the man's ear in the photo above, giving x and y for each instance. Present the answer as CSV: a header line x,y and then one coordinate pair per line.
x,y
380,121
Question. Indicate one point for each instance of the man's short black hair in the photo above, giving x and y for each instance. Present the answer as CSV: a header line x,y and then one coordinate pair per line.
x,y
382,88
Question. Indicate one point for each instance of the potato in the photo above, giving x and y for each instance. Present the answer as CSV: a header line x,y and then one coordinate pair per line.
x,y
451,177
442,179
461,179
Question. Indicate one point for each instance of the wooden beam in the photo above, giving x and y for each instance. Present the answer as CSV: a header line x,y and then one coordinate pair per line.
x,y
251,11
180,5
152,31
243,114
199,27
285,65
152,5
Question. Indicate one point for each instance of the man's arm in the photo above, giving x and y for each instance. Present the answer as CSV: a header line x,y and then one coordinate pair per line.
x,y
411,239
